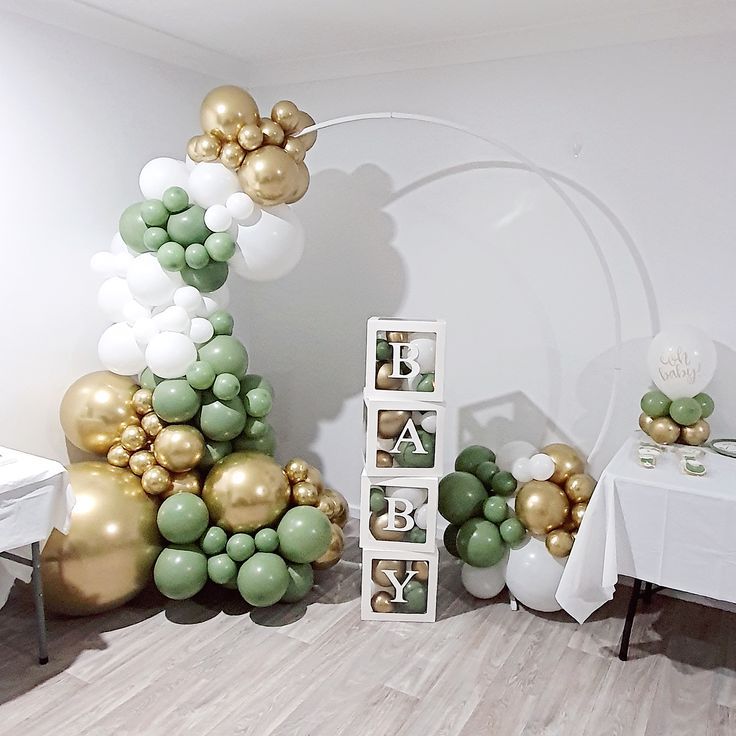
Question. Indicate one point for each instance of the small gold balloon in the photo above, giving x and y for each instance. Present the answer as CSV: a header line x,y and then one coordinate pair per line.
x,y
314,476
302,183
187,482
133,437
305,493
381,602
268,175
334,551
397,337
378,571
421,567
577,512
304,120
559,543
156,480
179,447
232,154
579,487
203,148
286,114
142,401
250,137
695,434
541,506
384,459
141,461
567,462
339,508
391,422
118,456
296,470
225,110
151,424
384,380
645,422
664,430
378,524
295,148
273,133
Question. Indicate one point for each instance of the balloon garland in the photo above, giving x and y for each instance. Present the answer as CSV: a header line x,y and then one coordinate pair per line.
x,y
188,444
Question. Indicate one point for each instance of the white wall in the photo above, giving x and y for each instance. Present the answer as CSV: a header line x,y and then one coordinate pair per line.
x,y
79,120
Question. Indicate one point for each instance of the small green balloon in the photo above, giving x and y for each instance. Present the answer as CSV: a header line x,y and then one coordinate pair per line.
x,y
427,383
410,457
214,451
415,595
180,571
265,444
226,387
220,246
512,531
207,279
479,543
258,402
222,322
378,503
188,226
461,497
304,534
182,518
301,580
240,547
201,375
655,404
263,579
449,539
221,569
174,400
485,472
175,199
154,213
417,535
496,509
255,428
213,541
196,256
222,420
707,405
251,381
171,256
226,354
383,350
471,457
148,380
686,411
155,237
132,228
503,483
267,540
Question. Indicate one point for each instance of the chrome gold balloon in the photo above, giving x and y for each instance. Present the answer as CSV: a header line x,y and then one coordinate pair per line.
x,y
295,148
567,462
391,422
179,447
339,509
133,437
378,571
142,401
118,456
695,434
541,506
384,380
203,148
664,430
286,114
296,470
384,459
302,183
151,424
381,602
187,482
269,176
645,422
397,336
305,493
156,480
378,524
559,543
250,137
577,512
273,133
421,567
315,476
579,487
304,120
141,461
232,155
334,551
225,110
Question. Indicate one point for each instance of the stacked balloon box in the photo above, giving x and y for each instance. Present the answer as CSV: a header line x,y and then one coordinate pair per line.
x,y
404,423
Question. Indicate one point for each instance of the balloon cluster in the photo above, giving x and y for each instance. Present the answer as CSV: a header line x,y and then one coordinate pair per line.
x,y
422,348
267,153
379,519
415,451
414,592
680,420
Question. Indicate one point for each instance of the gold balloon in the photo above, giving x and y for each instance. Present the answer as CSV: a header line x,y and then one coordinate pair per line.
x,y
203,148
378,524
118,456
339,509
664,431
296,470
304,120
273,133
305,493
384,459
302,183
232,155
133,437
268,176
151,424
579,487
179,447
378,571
96,409
286,114
559,543
421,567
334,551
391,422
695,434
541,506
397,337
250,137
384,380
567,462
108,555
187,482
577,512
381,602
314,476
141,461
645,422
246,491
142,399
295,148
225,110
156,480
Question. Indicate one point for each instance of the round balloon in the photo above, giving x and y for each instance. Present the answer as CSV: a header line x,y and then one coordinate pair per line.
x,y
182,518
533,574
512,451
161,173
119,350
180,571
169,354
484,582
263,579
304,534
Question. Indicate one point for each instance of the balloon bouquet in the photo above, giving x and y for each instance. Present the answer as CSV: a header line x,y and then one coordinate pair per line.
x,y
187,446
513,518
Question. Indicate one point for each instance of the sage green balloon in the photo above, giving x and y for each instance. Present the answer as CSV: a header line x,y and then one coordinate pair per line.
x,y
207,279
226,387
512,531
220,246
180,571
384,351
148,380
154,213
265,444
188,226
258,402
263,579
222,322
221,569
417,535
183,518
214,451
461,497
255,428
301,580
449,539
175,199
155,237
267,540
174,400
132,228
496,509
427,383
222,420
304,534
226,354
503,483
378,503
471,457
707,405
409,457
686,411
171,256
253,380
485,473
240,547
196,256
479,543
655,404
415,595
213,541
201,375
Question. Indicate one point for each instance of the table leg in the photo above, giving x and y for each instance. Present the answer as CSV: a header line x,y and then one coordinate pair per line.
x,y
43,654
623,653
648,588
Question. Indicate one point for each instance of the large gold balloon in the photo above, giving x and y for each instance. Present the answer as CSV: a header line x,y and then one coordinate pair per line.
x,y
541,506
378,524
579,487
567,461
269,176
179,447
664,430
695,434
187,482
246,491
391,422
378,571
304,120
96,409
225,110
559,543
645,421
107,558
302,183
334,551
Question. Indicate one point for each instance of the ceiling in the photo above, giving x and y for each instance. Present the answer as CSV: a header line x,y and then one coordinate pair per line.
x,y
320,39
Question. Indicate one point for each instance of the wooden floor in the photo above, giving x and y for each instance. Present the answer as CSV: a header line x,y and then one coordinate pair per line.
x,y
213,666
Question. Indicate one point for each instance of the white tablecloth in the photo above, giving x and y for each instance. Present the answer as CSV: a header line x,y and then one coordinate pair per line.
x,y
658,525
35,498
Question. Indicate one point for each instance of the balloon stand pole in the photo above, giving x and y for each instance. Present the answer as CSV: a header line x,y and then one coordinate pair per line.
x,y
513,603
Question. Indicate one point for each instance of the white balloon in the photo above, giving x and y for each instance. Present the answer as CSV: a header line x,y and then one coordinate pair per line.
x,y
533,575
190,163
429,423
240,206
169,354
117,245
425,347
143,330
211,183
149,283
217,218
189,298
201,330
484,582
415,496
385,444
112,296
420,516
271,248
411,384
118,350
173,319
681,361
522,470
543,466
103,263
513,451
133,311
121,261
161,173
209,305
